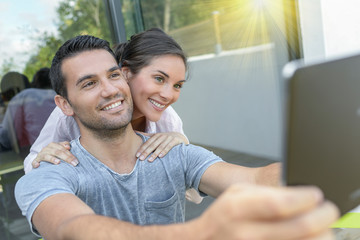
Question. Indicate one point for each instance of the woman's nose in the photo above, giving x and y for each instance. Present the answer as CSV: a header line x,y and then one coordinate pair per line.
x,y
166,93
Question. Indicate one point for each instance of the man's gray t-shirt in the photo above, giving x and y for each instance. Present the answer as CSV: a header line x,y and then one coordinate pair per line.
x,y
153,193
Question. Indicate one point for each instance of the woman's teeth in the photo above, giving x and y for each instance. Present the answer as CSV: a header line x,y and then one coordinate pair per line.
x,y
157,104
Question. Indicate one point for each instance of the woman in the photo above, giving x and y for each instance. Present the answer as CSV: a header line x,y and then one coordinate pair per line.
x,y
154,66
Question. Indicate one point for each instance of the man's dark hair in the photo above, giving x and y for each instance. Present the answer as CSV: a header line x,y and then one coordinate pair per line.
x,y
69,49
143,47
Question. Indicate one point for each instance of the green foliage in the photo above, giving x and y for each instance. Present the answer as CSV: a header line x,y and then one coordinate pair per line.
x,y
7,66
182,13
46,50
75,17
78,17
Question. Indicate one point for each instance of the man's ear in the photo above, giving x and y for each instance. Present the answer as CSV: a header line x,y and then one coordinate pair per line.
x,y
64,105
127,73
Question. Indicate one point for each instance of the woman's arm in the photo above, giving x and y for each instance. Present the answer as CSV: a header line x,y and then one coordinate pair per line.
x,y
58,128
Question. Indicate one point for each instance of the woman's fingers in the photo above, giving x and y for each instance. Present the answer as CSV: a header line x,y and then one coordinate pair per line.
x,y
54,152
163,148
151,145
159,144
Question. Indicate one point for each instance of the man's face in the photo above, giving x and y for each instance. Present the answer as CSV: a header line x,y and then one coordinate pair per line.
x,y
98,95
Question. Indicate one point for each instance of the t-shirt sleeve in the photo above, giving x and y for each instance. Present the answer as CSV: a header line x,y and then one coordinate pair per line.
x,y
41,183
196,161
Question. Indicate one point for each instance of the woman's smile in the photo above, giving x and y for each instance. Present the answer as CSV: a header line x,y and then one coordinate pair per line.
x,y
157,104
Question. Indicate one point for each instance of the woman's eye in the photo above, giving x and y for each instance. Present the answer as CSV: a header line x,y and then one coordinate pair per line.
x,y
159,79
178,86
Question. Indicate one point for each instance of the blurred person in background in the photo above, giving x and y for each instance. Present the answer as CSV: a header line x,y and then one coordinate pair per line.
x,y
11,84
27,112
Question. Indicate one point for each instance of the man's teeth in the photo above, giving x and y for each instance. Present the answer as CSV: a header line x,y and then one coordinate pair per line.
x,y
114,105
157,104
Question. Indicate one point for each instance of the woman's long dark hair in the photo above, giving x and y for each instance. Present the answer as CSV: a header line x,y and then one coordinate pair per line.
x,y
143,47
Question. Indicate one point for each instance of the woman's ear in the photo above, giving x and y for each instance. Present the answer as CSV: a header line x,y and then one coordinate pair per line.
x,y
64,105
127,73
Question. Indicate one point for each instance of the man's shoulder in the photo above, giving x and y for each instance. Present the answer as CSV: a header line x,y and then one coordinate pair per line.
x,y
47,174
191,151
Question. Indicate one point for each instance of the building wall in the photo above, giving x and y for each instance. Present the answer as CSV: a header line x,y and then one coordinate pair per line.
x,y
233,101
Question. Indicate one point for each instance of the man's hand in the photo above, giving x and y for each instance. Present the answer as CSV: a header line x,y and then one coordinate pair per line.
x,y
260,212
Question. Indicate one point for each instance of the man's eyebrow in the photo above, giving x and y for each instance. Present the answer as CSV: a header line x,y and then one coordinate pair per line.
x,y
114,69
83,78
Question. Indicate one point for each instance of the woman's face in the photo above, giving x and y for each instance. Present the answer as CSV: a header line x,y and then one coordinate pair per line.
x,y
157,86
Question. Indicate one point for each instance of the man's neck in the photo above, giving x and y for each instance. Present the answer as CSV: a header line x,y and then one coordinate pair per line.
x,y
117,151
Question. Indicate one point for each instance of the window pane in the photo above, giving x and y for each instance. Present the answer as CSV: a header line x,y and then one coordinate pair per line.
x,y
206,26
236,50
133,19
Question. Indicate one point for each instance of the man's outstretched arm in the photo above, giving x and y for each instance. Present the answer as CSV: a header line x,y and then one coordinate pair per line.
x,y
241,212
65,216
221,175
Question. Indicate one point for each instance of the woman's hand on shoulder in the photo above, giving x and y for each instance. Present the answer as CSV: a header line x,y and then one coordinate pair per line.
x,y
53,153
159,144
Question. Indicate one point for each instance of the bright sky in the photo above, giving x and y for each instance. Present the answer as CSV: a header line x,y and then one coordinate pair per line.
x,y
21,22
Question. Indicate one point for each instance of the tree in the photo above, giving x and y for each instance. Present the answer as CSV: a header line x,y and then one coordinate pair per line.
x,y
172,14
46,50
82,17
7,66
75,17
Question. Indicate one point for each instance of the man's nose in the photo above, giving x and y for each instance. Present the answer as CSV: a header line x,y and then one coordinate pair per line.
x,y
109,89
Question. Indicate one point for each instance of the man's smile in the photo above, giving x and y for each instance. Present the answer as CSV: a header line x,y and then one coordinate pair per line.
x,y
112,105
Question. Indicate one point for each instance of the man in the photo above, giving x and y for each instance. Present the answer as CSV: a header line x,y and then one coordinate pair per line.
x,y
112,195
